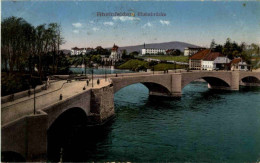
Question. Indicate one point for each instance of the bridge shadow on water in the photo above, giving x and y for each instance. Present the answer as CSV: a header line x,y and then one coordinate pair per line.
x,y
72,135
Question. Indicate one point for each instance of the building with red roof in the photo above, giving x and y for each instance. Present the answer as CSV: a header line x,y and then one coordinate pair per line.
x,y
208,60
238,64
115,54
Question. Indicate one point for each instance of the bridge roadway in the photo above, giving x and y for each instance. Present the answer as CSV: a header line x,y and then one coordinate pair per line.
x,y
26,134
25,106
18,108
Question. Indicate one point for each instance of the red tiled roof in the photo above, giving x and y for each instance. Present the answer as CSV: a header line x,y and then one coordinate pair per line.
x,y
212,56
200,55
169,50
196,48
114,48
206,55
236,60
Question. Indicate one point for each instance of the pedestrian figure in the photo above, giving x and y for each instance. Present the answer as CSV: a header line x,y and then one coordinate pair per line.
x,y
87,82
60,96
116,74
98,81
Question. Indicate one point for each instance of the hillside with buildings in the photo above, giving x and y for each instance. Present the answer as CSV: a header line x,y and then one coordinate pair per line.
x,y
163,45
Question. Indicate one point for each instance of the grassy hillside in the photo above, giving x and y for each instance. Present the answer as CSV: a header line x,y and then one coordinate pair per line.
x,y
134,64
170,58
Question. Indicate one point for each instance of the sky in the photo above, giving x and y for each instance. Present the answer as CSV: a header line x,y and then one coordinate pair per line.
x,y
195,22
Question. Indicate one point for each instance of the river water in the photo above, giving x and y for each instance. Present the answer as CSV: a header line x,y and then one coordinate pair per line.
x,y
79,70
203,125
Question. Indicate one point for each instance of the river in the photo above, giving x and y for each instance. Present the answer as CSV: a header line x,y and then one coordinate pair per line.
x,y
79,70
203,125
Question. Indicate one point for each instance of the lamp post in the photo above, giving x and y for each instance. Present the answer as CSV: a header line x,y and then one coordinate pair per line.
x,y
33,83
105,74
85,66
92,71
175,66
34,102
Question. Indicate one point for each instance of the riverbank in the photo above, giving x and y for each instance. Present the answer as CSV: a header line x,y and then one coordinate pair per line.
x,y
137,65
169,58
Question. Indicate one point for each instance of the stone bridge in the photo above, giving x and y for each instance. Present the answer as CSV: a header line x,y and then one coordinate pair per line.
x,y
173,83
24,134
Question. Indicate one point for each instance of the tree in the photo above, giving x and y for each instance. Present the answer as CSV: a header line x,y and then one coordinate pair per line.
x,y
212,44
15,41
56,40
124,54
218,48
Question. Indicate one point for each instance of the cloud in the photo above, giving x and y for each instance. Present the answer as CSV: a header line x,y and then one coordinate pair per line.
x,y
165,22
147,25
75,31
108,23
77,25
125,18
95,29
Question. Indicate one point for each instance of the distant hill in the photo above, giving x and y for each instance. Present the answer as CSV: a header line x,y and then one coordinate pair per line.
x,y
164,45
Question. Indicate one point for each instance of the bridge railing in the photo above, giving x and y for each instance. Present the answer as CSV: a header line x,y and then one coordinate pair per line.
x,y
35,97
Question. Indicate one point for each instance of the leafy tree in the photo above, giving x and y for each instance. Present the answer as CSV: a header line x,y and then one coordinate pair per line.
x,y
26,48
124,54
212,44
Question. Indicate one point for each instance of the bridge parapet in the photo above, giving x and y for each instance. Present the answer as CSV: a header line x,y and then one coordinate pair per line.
x,y
26,136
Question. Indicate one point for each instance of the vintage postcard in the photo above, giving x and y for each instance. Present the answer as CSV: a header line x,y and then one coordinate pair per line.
x,y
130,81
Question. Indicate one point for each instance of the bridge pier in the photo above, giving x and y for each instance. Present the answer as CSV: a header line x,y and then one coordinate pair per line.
x,y
176,85
234,81
101,105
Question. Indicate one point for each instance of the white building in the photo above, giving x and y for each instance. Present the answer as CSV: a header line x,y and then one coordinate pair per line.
x,y
190,51
152,51
115,54
238,64
207,60
78,51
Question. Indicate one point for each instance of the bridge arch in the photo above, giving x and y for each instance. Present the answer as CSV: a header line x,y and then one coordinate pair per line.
x,y
156,84
250,79
218,81
65,126
74,113
154,89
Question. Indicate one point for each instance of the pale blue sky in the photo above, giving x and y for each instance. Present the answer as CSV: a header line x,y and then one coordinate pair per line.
x,y
192,22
